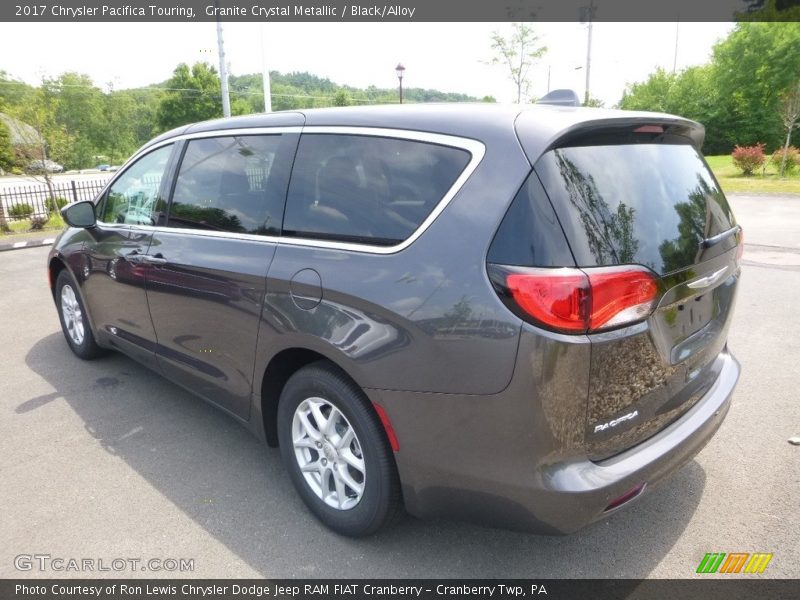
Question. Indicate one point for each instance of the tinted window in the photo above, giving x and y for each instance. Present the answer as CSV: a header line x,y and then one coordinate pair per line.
x,y
530,235
650,204
229,184
365,188
134,197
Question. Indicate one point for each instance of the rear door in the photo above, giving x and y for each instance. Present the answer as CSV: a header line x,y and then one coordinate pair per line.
x,y
207,278
648,200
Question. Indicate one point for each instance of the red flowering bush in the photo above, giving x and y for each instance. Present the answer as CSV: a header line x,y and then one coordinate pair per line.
x,y
748,158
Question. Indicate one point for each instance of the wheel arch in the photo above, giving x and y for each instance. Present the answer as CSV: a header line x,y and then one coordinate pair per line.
x,y
281,366
54,268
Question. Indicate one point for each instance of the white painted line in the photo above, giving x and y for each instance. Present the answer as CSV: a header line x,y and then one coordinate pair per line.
x,y
20,244
48,241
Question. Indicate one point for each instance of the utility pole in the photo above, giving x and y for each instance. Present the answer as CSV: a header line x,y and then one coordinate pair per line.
x,y
265,75
548,78
589,16
223,70
675,59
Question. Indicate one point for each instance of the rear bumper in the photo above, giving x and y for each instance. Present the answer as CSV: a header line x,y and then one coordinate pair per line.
x,y
475,457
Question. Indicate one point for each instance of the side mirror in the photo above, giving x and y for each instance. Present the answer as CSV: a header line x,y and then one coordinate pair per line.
x,y
80,214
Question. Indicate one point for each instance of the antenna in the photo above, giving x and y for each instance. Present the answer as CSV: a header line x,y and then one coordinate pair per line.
x,y
560,98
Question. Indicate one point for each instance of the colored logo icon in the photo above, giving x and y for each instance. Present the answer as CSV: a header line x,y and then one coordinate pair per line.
x,y
735,562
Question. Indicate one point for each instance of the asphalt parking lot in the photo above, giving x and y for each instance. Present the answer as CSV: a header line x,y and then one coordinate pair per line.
x,y
105,459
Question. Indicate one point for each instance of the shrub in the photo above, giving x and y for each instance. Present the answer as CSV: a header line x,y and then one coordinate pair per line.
x,y
38,223
17,171
748,158
792,159
56,204
20,211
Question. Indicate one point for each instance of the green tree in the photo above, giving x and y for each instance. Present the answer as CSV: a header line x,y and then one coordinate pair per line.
x,y
45,139
78,107
120,138
13,92
342,98
191,95
594,102
737,95
146,102
752,66
518,53
790,117
652,94
7,157
688,93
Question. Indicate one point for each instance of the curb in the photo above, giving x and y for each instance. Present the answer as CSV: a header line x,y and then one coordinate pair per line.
x,y
26,244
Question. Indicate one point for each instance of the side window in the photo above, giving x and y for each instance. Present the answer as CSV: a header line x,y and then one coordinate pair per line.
x,y
229,184
530,235
365,188
133,198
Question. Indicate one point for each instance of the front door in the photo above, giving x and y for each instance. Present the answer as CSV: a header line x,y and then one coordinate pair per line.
x,y
114,271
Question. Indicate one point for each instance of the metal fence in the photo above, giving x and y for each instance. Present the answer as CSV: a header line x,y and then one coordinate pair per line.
x,y
26,201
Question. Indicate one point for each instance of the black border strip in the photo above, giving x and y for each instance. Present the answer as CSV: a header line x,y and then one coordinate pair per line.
x,y
115,11
731,588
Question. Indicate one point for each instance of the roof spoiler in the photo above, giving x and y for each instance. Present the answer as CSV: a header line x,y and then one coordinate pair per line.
x,y
560,98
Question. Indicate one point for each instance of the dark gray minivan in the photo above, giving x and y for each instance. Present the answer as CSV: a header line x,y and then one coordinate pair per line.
x,y
515,315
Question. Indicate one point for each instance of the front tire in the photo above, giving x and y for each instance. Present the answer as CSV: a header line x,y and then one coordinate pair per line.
x,y
74,321
336,452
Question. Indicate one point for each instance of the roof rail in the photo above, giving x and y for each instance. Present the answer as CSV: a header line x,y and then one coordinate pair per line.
x,y
560,98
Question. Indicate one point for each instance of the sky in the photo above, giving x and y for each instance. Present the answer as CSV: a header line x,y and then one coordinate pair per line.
x,y
447,56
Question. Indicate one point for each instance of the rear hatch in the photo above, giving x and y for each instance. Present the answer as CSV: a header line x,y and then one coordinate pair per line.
x,y
639,208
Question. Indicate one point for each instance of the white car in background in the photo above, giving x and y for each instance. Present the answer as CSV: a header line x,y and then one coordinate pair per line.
x,y
39,166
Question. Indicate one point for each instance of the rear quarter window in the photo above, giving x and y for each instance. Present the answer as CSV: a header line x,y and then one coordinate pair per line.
x,y
367,189
651,204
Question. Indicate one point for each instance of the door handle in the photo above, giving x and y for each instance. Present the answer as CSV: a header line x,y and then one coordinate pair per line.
x,y
153,260
138,259
135,258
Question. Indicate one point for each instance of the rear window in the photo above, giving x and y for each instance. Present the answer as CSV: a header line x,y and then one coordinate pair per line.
x,y
650,204
367,189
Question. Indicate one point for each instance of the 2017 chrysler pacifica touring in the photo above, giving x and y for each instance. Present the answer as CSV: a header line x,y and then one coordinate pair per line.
x,y
516,315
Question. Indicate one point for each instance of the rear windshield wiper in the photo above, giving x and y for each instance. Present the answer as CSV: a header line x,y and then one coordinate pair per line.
x,y
716,239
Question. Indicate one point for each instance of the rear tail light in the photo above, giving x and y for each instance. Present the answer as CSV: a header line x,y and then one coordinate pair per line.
x,y
578,300
557,298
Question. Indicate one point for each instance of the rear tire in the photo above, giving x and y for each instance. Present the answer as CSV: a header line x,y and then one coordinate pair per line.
x,y
335,449
73,317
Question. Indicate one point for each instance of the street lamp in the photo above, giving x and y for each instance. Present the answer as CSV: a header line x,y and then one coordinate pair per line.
x,y
399,70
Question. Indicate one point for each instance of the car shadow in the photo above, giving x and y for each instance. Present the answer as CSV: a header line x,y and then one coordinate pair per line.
x,y
214,471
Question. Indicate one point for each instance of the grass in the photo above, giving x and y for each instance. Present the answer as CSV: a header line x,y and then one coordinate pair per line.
x,y
732,180
21,230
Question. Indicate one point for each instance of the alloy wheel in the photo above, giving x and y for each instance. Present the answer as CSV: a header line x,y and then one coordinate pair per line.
x,y
73,316
328,453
